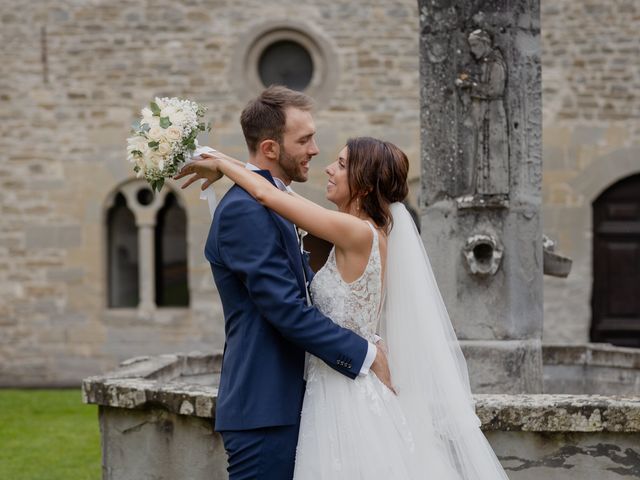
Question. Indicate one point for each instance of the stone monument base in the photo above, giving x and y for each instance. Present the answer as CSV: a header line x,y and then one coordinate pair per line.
x,y
504,366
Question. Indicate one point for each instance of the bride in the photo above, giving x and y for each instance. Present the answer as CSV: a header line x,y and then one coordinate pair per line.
x,y
377,280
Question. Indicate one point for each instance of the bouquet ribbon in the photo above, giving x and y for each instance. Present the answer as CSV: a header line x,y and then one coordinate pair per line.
x,y
209,194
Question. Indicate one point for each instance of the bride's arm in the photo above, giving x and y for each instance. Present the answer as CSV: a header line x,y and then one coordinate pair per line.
x,y
210,176
343,230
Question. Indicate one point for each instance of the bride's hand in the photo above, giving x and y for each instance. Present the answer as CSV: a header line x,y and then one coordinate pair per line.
x,y
380,367
205,168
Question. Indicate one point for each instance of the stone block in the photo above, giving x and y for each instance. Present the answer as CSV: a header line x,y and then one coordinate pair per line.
x,y
511,367
593,368
52,236
507,305
71,275
137,444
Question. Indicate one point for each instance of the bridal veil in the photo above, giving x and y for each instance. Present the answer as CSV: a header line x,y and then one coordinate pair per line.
x,y
427,364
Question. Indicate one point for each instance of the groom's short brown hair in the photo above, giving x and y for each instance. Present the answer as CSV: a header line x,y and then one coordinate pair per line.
x,y
264,117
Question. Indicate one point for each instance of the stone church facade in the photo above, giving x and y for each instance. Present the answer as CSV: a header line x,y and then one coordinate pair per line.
x,y
93,270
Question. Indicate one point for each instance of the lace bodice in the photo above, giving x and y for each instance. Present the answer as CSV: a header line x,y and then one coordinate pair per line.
x,y
354,305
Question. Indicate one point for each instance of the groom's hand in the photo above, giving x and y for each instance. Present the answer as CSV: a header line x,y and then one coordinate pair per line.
x,y
380,367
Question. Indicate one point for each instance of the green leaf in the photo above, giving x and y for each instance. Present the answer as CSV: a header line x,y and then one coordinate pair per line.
x,y
136,168
165,122
153,145
155,109
159,184
190,139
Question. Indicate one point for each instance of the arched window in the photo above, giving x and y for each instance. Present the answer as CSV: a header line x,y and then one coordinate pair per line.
x,y
616,264
171,255
123,255
147,249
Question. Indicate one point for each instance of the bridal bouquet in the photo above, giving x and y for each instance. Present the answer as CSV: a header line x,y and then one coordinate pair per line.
x,y
165,138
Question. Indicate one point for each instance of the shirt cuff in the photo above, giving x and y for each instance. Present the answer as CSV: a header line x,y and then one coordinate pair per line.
x,y
372,351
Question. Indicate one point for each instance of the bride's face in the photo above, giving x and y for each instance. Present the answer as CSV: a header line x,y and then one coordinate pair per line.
x,y
338,190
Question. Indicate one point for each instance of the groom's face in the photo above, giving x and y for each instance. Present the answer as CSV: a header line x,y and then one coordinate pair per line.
x,y
298,145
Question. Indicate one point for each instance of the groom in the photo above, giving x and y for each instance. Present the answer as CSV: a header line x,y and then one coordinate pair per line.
x,y
263,279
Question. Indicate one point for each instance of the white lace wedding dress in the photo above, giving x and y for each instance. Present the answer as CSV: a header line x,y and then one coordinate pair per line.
x,y
356,429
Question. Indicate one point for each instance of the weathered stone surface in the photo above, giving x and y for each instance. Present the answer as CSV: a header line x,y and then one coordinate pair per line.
x,y
560,456
506,366
155,443
559,413
187,382
162,381
481,132
162,428
591,368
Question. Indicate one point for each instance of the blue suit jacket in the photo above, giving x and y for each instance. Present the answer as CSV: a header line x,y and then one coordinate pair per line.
x,y
258,270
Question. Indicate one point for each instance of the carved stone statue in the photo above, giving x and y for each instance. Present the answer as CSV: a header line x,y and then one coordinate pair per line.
x,y
483,96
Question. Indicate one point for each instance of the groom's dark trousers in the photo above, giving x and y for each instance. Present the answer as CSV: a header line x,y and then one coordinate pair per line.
x,y
260,274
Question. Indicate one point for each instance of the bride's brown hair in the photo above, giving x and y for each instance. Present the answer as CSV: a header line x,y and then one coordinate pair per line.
x,y
377,174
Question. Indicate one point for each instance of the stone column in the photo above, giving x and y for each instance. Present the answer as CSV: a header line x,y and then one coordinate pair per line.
x,y
481,181
146,271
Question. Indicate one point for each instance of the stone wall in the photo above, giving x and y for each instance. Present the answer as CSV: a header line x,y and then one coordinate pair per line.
x,y
75,74
591,79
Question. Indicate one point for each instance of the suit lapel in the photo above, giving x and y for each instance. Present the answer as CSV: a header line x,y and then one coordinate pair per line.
x,y
289,235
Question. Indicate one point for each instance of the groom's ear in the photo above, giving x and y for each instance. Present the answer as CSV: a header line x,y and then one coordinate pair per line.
x,y
270,149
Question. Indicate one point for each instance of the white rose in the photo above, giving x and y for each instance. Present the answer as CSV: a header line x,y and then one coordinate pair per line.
x,y
156,133
164,148
153,160
173,134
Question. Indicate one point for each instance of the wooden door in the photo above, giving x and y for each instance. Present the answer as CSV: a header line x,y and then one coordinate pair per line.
x,y
616,265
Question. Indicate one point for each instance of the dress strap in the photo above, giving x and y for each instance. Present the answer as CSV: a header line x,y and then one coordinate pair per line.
x,y
373,229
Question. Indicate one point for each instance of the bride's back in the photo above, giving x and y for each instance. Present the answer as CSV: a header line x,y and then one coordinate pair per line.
x,y
353,303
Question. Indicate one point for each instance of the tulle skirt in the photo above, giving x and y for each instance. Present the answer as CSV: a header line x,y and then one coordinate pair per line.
x,y
355,429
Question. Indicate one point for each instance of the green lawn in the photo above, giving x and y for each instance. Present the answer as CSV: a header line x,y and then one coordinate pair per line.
x,y
48,435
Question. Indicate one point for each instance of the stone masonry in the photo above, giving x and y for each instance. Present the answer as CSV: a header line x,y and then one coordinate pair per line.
x,y
74,74
591,139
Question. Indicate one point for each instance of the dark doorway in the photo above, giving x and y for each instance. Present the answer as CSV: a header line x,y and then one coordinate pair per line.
x,y
615,298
